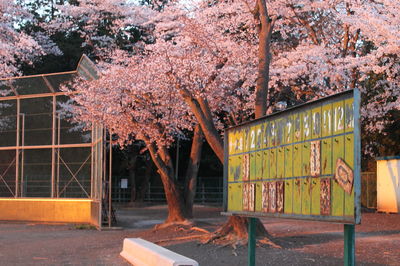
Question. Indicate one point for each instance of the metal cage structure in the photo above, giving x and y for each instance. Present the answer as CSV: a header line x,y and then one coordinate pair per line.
x,y
43,158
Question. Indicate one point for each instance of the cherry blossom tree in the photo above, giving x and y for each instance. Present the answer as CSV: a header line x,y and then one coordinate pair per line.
x,y
314,48
329,46
346,44
213,73
144,65
147,110
17,47
214,80
224,60
104,25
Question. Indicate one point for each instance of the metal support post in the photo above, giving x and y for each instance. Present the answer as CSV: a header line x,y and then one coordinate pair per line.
x,y
177,159
349,245
22,181
252,242
92,186
16,195
53,150
58,156
103,162
110,182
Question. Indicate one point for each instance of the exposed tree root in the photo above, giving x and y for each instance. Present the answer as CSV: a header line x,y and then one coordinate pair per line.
x,y
186,227
235,232
179,238
194,228
176,223
267,241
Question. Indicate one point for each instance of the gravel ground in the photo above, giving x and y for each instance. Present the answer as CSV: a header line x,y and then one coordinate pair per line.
x,y
303,243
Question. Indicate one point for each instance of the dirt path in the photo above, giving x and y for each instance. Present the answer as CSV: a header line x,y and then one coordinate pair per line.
x,y
303,243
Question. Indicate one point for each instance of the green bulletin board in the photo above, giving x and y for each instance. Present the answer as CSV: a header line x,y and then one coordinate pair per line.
x,y
301,163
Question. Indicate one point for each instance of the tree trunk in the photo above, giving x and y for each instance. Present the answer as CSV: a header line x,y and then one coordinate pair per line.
x,y
144,185
237,224
162,160
192,170
176,207
132,159
132,180
264,58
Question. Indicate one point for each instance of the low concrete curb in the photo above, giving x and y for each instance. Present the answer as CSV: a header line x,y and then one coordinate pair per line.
x,y
140,252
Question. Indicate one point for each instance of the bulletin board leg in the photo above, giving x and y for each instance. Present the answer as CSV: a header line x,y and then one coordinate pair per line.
x,y
252,242
349,245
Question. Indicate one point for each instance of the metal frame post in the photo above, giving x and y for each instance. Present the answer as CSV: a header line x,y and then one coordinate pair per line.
x,y
104,157
91,165
97,169
349,245
252,242
58,156
17,150
110,181
100,171
53,150
22,190
225,179
177,159
357,155
95,162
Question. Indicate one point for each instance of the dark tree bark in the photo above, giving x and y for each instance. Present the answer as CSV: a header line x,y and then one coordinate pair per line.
x,y
201,111
144,185
132,173
180,203
264,57
192,170
163,162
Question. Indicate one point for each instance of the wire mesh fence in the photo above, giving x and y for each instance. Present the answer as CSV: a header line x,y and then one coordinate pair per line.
x,y
212,192
42,152
207,192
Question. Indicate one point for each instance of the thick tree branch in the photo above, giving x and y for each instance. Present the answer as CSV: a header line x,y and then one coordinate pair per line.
x,y
193,169
166,157
203,118
346,37
345,41
205,108
267,25
210,132
352,49
160,164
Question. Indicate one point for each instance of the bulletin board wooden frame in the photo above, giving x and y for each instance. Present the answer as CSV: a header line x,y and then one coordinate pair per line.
x,y
301,163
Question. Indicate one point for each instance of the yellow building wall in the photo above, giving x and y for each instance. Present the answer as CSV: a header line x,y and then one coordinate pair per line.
x,y
388,185
50,210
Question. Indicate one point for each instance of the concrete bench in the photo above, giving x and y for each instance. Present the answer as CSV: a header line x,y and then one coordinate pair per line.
x,y
140,252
